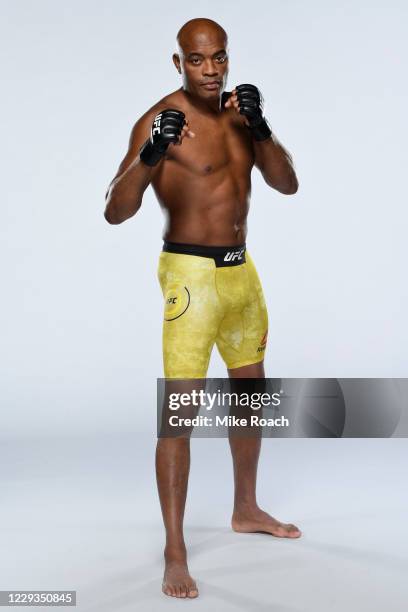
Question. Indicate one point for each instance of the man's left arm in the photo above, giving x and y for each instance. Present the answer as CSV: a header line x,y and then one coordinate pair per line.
x,y
271,157
276,165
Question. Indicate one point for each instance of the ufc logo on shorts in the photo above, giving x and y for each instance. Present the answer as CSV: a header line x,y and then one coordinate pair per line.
x,y
156,125
233,255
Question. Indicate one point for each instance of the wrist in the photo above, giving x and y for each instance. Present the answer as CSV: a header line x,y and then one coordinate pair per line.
x,y
261,130
151,154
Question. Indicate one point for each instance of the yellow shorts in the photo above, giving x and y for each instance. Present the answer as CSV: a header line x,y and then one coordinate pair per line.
x,y
210,299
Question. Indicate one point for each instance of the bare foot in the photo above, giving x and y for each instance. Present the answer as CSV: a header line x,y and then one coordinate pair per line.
x,y
177,581
250,521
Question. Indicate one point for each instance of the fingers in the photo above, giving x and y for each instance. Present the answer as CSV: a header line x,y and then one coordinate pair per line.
x,y
185,132
228,103
232,101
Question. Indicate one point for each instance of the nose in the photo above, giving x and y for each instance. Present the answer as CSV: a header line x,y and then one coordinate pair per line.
x,y
209,68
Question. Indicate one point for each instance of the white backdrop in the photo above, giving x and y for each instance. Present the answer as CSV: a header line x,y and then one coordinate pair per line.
x,y
81,304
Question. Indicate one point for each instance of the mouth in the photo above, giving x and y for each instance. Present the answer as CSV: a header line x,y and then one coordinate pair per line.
x,y
211,85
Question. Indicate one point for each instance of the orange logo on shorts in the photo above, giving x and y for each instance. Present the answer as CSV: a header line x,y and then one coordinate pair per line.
x,y
262,346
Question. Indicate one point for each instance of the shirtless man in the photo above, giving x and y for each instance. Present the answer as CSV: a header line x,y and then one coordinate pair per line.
x,y
197,147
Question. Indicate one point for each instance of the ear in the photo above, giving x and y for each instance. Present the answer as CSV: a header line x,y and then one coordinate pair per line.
x,y
176,62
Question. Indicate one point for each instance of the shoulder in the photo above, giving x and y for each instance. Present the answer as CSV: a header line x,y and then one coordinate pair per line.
x,y
174,100
171,100
141,128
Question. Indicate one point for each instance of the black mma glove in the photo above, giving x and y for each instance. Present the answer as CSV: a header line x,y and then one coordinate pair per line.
x,y
251,105
166,128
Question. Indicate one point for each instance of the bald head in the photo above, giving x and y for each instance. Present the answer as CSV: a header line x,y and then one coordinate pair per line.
x,y
200,31
202,58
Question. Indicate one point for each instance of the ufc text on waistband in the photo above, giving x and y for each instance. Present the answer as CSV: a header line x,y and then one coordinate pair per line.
x,y
222,256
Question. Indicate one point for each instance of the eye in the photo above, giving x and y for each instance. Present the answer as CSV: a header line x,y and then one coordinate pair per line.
x,y
221,59
195,61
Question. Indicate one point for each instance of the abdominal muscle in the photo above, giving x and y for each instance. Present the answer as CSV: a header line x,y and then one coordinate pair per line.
x,y
206,210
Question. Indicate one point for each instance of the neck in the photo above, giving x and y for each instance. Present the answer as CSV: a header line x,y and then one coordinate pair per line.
x,y
211,106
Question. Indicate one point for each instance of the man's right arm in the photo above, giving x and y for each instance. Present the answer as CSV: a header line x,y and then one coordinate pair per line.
x,y
125,193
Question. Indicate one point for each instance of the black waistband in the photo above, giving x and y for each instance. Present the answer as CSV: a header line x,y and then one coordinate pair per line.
x,y
222,255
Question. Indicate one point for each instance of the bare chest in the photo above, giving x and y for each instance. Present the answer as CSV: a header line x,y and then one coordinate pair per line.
x,y
218,144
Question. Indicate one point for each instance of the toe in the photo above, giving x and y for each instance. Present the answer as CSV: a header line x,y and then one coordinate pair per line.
x,y
193,592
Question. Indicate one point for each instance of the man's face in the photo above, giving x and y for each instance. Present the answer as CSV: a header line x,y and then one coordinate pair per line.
x,y
203,63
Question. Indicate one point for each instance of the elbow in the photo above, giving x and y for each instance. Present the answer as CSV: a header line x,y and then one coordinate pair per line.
x,y
286,185
291,188
111,214
112,220
116,213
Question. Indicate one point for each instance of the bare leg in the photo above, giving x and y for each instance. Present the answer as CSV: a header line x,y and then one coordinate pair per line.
x,y
247,516
172,470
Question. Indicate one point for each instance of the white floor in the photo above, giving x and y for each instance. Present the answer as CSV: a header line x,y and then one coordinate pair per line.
x,y
83,514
